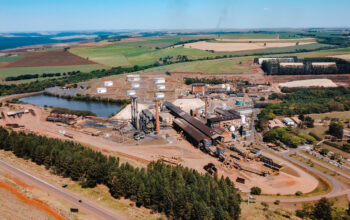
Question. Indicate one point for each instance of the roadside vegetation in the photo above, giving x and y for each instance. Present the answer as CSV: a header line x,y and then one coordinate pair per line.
x,y
179,192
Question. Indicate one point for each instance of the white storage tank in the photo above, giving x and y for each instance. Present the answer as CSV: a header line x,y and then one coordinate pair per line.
x,y
108,83
228,88
159,95
133,78
232,129
101,90
243,119
223,106
130,92
160,87
159,80
223,86
135,85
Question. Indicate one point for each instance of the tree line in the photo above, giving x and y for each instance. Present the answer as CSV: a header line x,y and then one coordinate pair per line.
x,y
298,101
176,191
35,76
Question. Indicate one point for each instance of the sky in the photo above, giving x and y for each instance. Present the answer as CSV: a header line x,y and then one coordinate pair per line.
x,y
68,15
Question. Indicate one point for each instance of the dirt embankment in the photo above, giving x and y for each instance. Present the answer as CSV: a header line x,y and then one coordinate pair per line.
x,y
33,202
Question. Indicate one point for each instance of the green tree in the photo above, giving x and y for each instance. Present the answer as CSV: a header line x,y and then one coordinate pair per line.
x,y
336,129
255,190
323,210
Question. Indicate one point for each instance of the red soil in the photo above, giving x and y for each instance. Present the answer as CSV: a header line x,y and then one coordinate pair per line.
x,y
34,202
50,58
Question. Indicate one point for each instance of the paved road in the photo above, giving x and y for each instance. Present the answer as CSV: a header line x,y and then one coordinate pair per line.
x,y
86,206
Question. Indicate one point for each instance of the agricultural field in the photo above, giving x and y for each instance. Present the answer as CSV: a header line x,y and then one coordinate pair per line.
x,y
127,55
228,46
16,71
49,58
238,65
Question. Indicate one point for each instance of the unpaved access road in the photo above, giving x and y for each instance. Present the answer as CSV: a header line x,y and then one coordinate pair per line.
x,y
86,205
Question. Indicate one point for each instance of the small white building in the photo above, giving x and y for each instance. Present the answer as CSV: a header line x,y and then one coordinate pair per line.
x,y
101,90
108,83
288,121
160,87
159,80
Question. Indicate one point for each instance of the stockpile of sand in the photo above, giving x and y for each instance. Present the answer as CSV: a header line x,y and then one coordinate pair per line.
x,y
188,104
125,113
309,83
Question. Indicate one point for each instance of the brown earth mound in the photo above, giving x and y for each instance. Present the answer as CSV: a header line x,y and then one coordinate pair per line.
x,y
50,58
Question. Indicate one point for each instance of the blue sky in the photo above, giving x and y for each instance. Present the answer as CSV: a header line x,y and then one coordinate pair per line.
x,y
58,15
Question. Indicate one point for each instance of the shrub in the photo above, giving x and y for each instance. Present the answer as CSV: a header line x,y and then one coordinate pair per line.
x,y
298,193
255,190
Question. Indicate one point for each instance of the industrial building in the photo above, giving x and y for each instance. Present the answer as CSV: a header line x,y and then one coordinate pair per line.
x,y
227,118
192,126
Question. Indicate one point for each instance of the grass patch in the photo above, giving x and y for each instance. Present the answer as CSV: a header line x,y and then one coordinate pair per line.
x,y
101,194
322,169
340,115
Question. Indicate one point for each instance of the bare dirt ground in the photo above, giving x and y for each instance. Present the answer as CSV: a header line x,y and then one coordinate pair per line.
x,y
49,58
344,56
267,40
204,45
175,147
146,90
309,83
339,79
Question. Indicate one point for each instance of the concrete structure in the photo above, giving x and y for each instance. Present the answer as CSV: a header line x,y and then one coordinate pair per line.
x,y
276,59
199,88
101,90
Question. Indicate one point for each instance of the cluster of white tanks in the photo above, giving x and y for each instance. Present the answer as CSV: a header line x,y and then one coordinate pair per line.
x,y
227,87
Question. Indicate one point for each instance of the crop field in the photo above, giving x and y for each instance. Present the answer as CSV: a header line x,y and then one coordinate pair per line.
x,y
238,65
127,54
226,46
9,58
49,58
16,71
258,35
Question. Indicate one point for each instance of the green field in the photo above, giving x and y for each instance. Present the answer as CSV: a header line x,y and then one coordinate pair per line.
x,y
128,54
16,71
228,65
9,59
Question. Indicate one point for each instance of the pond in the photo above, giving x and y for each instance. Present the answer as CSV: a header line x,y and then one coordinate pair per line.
x,y
99,108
